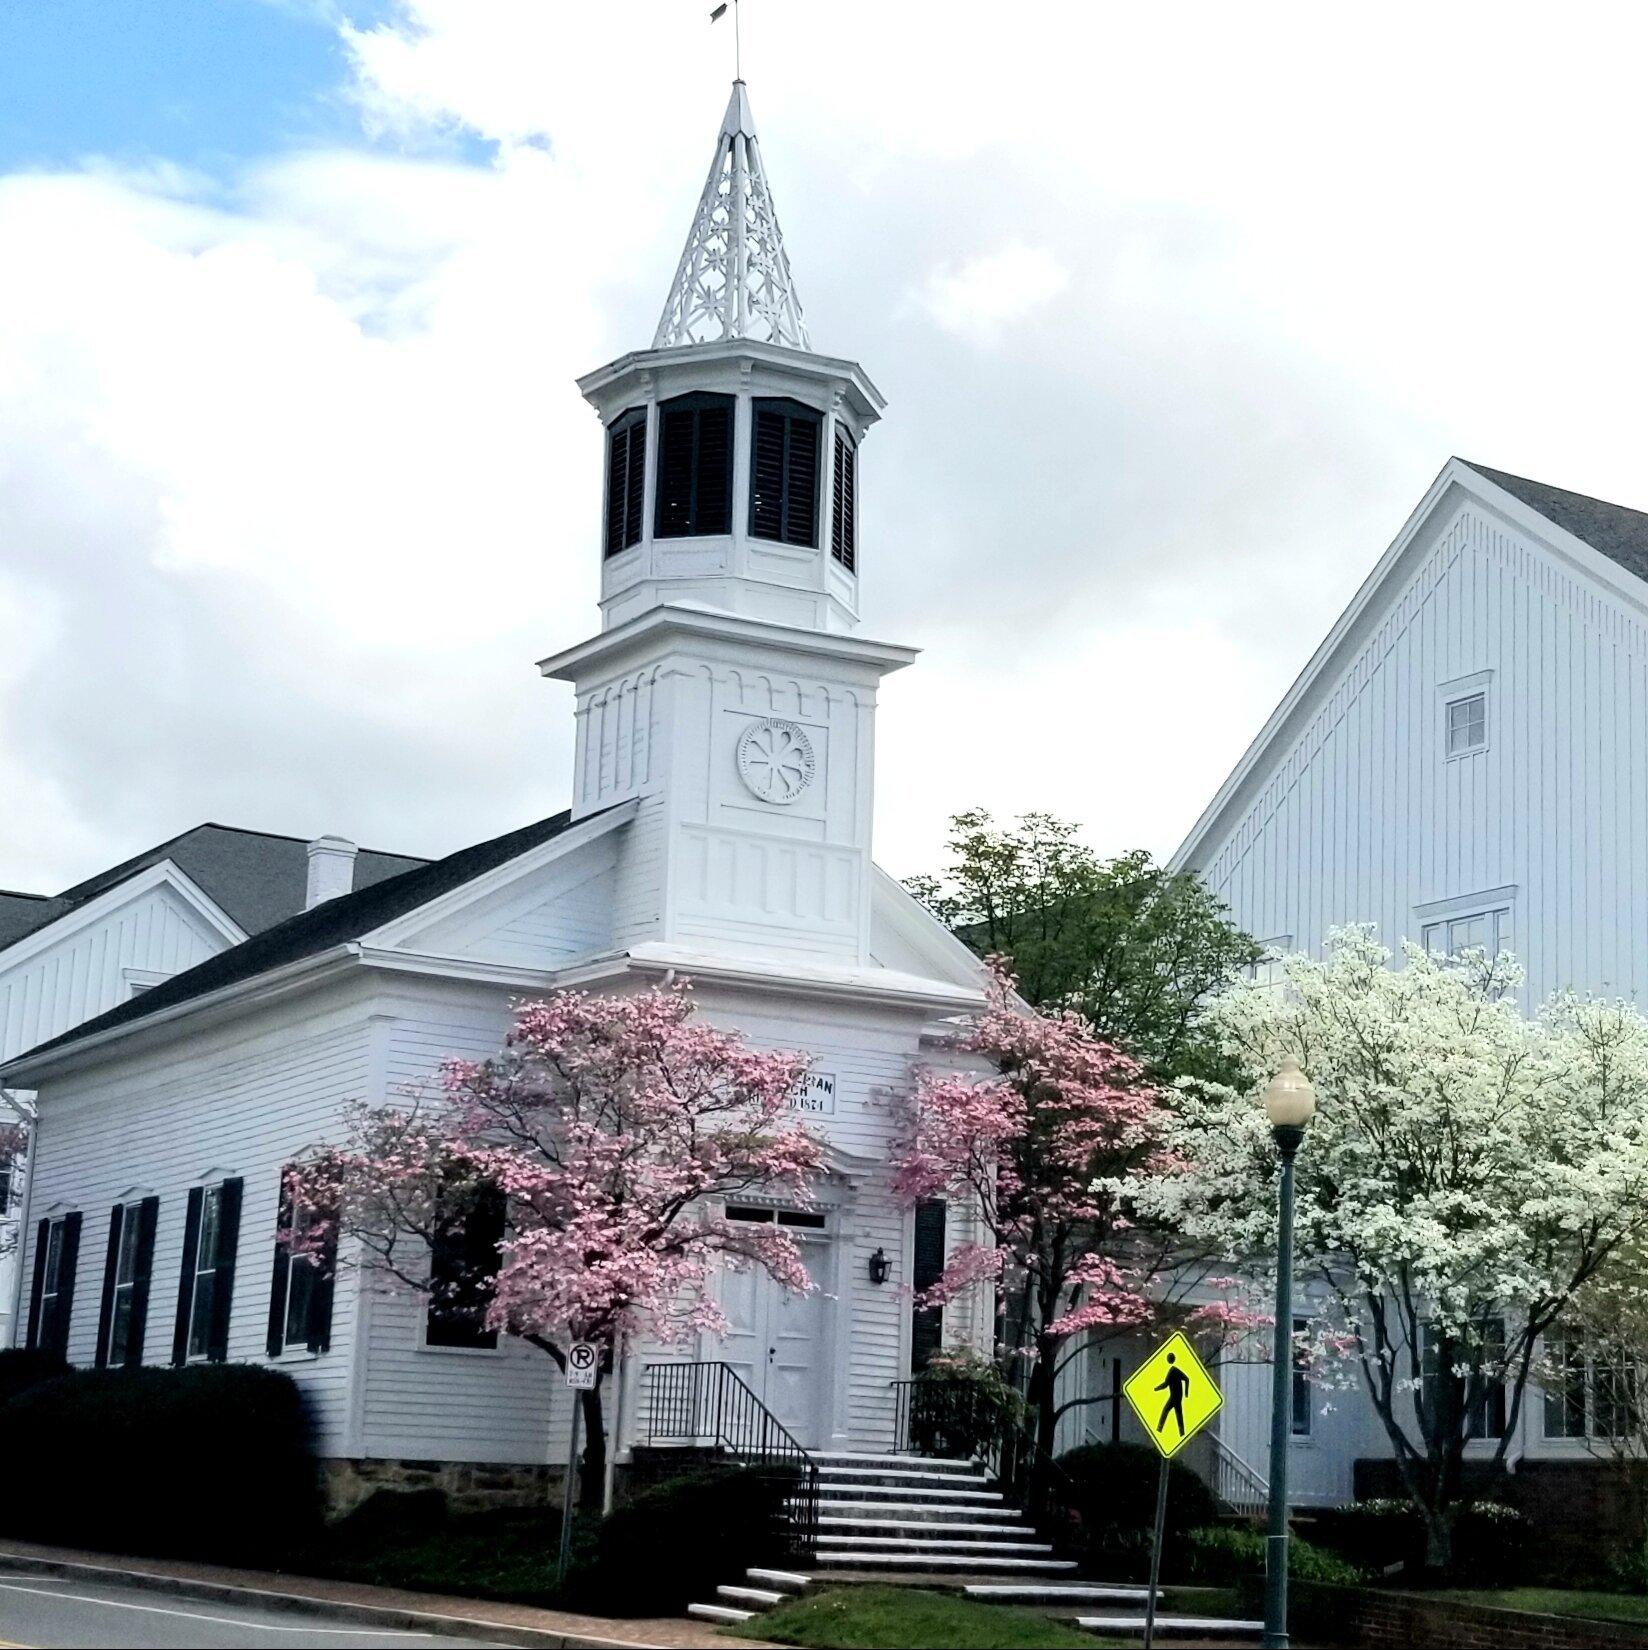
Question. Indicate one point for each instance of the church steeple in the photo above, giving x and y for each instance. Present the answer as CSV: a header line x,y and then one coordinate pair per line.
x,y
734,280
732,446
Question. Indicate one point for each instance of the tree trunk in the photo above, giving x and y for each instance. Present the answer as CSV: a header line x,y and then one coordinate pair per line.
x,y
1438,1540
592,1480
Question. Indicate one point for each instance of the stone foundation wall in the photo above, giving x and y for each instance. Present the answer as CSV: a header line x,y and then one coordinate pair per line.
x,y
469,1486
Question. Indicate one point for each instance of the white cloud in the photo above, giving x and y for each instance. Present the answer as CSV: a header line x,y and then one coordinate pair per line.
x,y
295,484
988,292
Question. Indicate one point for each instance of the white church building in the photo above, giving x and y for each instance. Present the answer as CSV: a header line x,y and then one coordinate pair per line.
x,y
1461,763
720,829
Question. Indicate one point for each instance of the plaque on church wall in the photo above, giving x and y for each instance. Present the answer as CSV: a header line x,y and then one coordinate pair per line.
x,y
816,1094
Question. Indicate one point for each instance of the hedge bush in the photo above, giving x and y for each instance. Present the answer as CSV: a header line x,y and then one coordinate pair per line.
x,y
1108,1496
210,1461
679,1540
23,1367
1221,1556
1490,1540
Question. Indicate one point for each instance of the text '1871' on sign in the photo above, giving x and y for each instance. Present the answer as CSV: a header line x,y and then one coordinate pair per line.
x,y
815,1093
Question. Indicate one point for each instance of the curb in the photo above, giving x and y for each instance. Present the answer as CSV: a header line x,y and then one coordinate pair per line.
x,y
373,1615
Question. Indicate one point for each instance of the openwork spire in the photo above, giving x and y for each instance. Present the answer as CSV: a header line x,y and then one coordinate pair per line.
x,y
734,280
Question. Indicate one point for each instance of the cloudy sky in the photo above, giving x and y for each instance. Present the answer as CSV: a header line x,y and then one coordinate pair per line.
x,y
1178,309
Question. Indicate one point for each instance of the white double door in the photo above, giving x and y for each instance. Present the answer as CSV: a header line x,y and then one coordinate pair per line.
x,y
775,1341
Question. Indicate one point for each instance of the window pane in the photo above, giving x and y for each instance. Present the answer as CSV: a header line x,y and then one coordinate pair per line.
x,y
200,1314
120,1326
1565,1398
126,1266
1301,1382
300,1290
54,1256
210,1207
1467,723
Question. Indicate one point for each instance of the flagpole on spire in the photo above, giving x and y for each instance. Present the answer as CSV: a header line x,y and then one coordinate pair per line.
x,y
737,36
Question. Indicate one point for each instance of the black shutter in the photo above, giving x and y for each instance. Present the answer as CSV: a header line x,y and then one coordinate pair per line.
x,y
677,426
767,475
801,483
42,1241
280,1277
626,478
844,526
617,457
223,1292
635,479
111,1266
927,1322
463,1263
63,1304
186,1281
148,1217
712,470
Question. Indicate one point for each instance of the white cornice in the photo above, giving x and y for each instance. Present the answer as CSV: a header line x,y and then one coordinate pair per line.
x,y
703,624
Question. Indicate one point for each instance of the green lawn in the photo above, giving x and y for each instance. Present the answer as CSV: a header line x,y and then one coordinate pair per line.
x,y
905,1618
1557,1601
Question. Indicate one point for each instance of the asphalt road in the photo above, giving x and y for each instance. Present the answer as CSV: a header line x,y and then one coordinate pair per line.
x,y
40,1611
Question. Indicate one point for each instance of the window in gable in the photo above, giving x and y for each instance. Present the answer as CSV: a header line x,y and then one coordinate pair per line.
x,y
1467,724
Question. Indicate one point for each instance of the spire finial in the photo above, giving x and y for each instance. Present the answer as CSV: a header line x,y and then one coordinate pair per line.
x,y
733,280
737,40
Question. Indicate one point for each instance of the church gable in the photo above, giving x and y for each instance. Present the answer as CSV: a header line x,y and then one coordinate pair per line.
x,y
537,911
907,938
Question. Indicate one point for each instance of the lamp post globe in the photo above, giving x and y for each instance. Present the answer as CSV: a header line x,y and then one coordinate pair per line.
x,y
1290,1103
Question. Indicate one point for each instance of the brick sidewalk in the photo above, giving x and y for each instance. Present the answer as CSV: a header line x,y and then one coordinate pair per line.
x,y
387,1606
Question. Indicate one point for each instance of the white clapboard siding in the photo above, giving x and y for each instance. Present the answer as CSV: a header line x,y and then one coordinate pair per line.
x,y
196,1113
1362,817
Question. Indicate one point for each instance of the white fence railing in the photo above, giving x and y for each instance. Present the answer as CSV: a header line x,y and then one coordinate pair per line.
x,y
1238,1487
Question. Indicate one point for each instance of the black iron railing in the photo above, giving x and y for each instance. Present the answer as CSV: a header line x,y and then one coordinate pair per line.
x,y
708,1405
961,1419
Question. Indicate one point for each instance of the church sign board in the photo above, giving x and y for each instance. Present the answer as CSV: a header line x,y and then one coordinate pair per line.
x,y
815,1093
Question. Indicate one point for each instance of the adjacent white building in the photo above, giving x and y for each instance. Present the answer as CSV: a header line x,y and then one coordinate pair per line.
x,y
1462,762
720,828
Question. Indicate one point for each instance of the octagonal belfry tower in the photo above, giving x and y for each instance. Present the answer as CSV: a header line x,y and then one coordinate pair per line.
x,y
726,689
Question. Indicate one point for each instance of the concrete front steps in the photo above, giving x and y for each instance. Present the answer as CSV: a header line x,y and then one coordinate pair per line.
x,y
891,1515
1115,1611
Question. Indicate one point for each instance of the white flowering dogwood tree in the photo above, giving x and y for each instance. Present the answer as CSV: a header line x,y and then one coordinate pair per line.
x,y
1468,1171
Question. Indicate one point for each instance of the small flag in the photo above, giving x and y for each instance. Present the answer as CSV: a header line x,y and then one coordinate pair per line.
x,y
719,12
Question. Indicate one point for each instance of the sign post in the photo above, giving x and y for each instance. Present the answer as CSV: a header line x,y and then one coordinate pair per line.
x,y
1188,1399
583,1370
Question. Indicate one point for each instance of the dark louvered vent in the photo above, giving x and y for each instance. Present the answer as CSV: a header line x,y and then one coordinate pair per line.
x,y
844,524
626,478
784,473
694,466
927,1322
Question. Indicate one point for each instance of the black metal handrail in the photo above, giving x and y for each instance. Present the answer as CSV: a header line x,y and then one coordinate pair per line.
x,y
708,1404
960,1418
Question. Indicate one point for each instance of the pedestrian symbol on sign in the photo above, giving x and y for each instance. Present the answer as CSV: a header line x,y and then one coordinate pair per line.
x,y
583,1365
1173,1395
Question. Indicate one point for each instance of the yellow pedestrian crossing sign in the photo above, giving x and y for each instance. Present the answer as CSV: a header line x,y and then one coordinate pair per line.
x,y
1173,1395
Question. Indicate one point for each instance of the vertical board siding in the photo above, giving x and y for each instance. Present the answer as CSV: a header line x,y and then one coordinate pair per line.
x,y
1364,817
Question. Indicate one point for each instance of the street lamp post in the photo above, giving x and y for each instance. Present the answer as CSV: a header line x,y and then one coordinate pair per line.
x,y
1290,1103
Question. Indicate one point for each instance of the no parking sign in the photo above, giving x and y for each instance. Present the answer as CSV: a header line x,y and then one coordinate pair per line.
x,y
583,1365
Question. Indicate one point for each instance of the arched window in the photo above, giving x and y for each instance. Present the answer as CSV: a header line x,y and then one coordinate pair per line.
x,y
694,466
844,522
626,478
784,473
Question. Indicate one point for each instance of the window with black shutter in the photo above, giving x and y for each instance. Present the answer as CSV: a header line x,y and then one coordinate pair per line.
x,y
844,517
300,1290
927,1322
126,1270
784,472
694,466
56,1258
211,1236
463,1264
626,478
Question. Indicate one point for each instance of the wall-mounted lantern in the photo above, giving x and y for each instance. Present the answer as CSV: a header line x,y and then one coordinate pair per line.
x,y
880,1267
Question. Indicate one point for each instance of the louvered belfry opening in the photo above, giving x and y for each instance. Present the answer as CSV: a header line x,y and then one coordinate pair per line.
x,y
626,479
784,472
694,466
844,519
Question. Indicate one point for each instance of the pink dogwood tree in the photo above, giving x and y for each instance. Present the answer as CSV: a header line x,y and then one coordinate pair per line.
x,y
1046,1153
599,1143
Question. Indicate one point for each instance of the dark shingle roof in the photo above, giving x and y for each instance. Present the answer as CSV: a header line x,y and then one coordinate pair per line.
x,y
336,922
257,877
21,914
1620,534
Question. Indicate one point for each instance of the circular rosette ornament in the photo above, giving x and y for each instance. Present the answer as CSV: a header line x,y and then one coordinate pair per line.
x,y
775,759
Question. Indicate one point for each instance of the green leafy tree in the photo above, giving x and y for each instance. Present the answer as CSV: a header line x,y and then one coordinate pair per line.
x,y
1132,948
